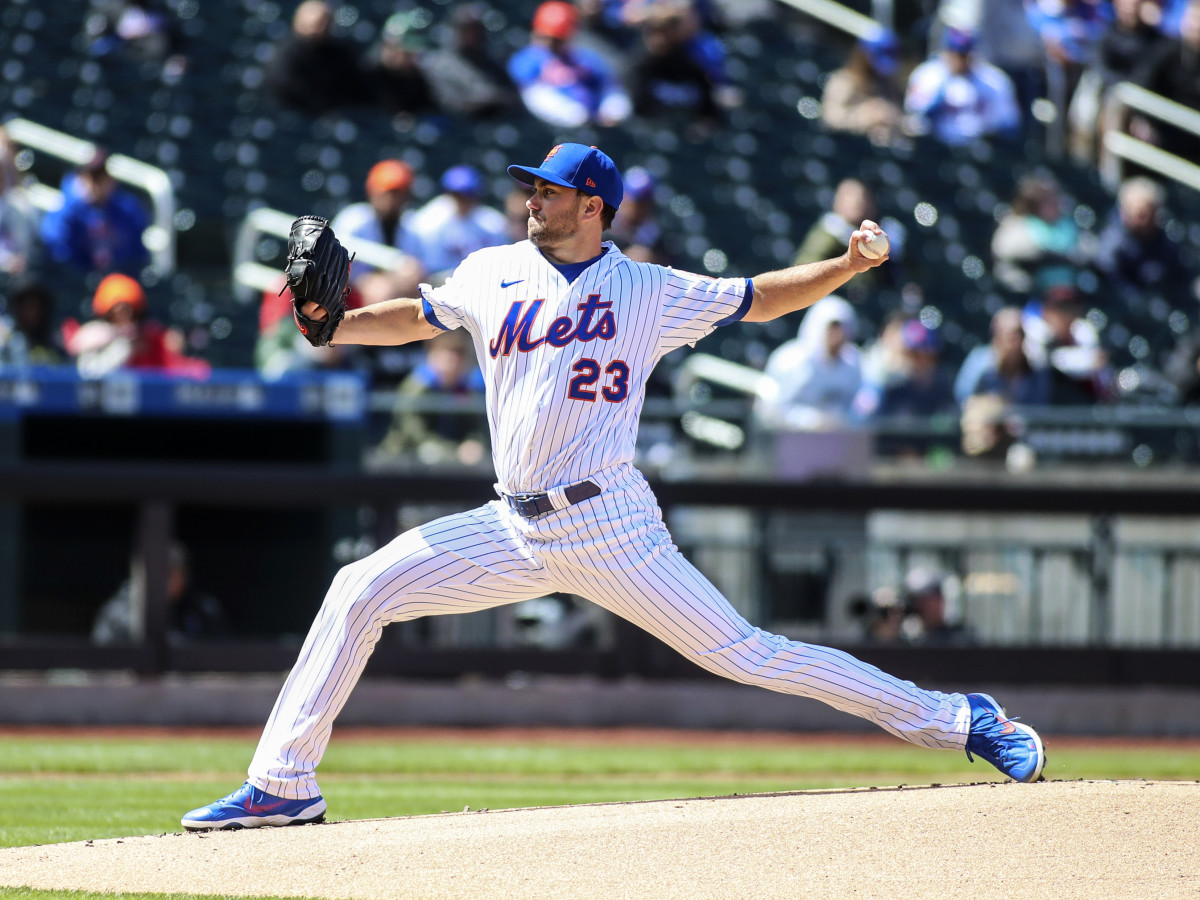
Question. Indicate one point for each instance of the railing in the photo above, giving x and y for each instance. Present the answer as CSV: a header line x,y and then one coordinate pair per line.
x,y
251,276
1121,148
845,19
159,238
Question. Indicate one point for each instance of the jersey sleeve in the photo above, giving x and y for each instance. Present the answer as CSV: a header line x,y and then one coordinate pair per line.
x,y
445,306
694,305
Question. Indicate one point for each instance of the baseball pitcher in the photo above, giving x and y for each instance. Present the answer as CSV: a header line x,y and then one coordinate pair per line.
x,y
566,330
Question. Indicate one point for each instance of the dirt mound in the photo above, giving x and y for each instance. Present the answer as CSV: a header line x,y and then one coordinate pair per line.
x,y
1055,839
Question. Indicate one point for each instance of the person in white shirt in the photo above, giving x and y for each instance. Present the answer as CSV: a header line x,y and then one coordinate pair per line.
x,y
817,374
382,219
455,224
958,97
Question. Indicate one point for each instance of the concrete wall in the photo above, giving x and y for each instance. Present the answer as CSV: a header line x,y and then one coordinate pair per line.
x,y
216,700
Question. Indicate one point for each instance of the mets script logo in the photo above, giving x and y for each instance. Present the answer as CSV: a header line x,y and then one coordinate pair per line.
x,y
595,321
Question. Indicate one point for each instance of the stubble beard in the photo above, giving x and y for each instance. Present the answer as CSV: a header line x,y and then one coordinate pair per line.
x,y
546,234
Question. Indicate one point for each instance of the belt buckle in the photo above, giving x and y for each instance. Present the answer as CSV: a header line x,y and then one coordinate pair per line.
x,y
524,505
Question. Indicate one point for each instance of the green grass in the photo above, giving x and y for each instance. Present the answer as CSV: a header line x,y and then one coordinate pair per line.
x,y
71,787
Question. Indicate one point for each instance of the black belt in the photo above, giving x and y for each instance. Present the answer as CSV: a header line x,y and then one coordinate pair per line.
x,y
533,505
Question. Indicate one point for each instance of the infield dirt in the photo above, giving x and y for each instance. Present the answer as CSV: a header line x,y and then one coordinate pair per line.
x,y
1077,839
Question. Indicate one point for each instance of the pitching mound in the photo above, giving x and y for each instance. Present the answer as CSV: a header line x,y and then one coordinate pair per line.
x,y
1056,839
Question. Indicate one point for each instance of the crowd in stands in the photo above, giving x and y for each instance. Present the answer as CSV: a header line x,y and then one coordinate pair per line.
x,y
604,63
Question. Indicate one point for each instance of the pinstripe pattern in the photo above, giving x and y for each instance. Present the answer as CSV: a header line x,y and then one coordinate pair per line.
x,y
531,331
541,437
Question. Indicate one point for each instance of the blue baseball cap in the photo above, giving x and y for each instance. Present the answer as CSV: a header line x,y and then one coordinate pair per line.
x,y
462,180
917,336
639,183
958,40
577,166
882,49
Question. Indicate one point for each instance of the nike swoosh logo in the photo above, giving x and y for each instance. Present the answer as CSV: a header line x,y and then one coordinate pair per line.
x,y
508,284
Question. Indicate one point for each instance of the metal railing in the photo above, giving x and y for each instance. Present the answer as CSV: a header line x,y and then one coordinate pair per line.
x,y
251,277
843,18
159,237
1121,148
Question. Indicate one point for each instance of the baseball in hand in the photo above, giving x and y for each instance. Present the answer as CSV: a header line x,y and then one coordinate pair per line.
x,y
874,246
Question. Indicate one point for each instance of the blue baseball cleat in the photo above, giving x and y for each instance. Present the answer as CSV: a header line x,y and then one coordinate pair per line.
x,y
248,807
1013,748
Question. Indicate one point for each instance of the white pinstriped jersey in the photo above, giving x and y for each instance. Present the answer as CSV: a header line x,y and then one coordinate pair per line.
x,y
566,364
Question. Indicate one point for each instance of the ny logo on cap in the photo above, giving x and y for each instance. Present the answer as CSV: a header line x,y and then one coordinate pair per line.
x,y
553,150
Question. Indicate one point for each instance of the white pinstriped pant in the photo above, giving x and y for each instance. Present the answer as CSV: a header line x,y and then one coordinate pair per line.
x,y
614,550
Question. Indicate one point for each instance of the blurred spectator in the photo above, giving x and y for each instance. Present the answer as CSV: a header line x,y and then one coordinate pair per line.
x,y
960,98
466,78
989,427
1037,243
884,360
516,213
27,333
281,348
18,216
1134,253
1174,71
693,23
866,95
192,614
1006,38
121,335
1002,367
925,389
817,374
560,83
382,219
852,202
916,614
99,226
1170,15
636,228
1070,31
455,223
444,435
1130,40
666,80
142,30
925,595
882,614
1059,337
398,83
313,71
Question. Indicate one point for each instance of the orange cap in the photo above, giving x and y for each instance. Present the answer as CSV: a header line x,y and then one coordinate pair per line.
x,y
389,175
556,19
117,288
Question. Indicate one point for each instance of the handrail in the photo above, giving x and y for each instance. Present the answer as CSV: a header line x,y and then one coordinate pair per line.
x,y
1122,148
1158,106
251,276
838,16
158,238
735,376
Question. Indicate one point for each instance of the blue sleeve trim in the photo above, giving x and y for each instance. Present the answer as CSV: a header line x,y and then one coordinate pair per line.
x,y
740,313
430,316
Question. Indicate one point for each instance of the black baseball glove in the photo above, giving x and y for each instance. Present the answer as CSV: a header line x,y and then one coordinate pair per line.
x,y
318,271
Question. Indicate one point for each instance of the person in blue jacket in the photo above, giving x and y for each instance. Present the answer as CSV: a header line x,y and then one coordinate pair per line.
x,y
99,226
